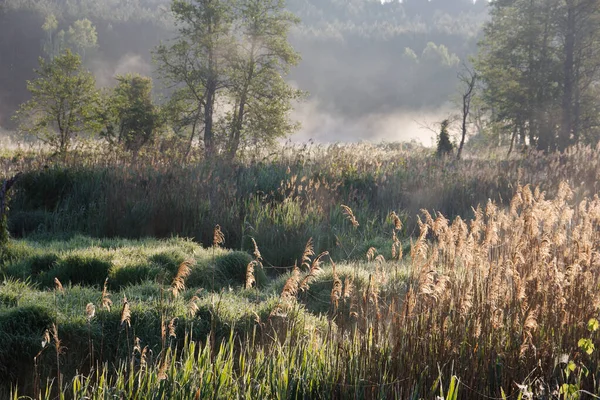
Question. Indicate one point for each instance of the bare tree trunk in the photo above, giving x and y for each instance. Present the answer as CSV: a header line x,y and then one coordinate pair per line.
x,y
209,145
567,102
512,141
470,79
234,140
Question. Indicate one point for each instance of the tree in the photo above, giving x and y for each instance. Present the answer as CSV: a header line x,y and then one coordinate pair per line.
x,y
63,102
53,40
538,61
195,64
578,27
261,97
439,55
226,68
444,145
129,115
468,80
82,37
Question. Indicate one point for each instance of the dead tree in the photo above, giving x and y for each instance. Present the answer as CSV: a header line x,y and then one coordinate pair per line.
x,y
468,79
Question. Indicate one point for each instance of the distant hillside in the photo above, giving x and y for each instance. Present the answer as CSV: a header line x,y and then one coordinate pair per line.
x,y
359,56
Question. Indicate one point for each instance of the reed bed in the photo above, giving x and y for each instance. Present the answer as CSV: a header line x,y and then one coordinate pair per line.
x,y
490,290
502,305
279,199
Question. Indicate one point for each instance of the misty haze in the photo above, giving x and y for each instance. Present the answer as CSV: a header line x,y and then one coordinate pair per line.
x,y
299,199
365,66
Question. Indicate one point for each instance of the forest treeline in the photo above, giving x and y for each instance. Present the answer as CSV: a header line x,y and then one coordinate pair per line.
x,y
528,71
358,57
540,65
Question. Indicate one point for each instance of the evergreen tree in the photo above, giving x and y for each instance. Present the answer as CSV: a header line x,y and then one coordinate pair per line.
x,y
444,145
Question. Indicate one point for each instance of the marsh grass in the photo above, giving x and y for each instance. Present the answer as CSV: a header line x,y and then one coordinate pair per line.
x,y
278,200
481,304
378,304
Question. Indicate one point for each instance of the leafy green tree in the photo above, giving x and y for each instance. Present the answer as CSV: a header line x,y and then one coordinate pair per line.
x,y
63,102
130,117
262,100
227,66
82,37
409,54
195,64
54,39
579,29
537,61
444,145
440,55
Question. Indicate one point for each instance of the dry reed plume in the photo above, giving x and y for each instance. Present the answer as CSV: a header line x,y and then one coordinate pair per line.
x,y
58,286
336,290
315,268
192,306
309,251
184,270
350,215
256,252
218,236
250,279
105,300
257,262
90,311
288,293
125,313
519,284
371,253
396,220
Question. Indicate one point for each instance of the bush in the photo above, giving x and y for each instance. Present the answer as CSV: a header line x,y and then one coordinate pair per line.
x,y
78,269
132,274
231,268
42,263
21,331
169,261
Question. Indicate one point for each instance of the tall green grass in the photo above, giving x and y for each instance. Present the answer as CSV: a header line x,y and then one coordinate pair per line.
x,y
280,199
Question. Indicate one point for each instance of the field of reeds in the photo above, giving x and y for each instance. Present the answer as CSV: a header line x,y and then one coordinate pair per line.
x,y
317,272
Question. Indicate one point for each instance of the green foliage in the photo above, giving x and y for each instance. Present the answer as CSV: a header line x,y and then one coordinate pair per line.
x,y
79,38
228,64
586,345
438,55
82,37
134,274
21,331
536,71
158,198
316,342
130,117
53,42
5,196
62,104
232,268
42,263
368,29
78,269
